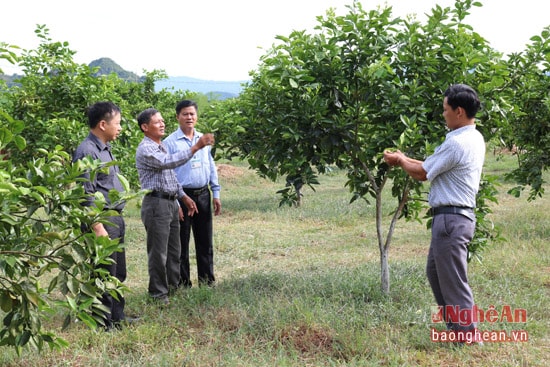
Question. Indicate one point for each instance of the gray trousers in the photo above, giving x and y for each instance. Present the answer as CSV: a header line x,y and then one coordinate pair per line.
x,y
161,220
447,269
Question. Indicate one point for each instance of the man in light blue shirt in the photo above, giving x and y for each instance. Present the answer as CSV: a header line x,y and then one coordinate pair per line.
x,y
199,180
454,171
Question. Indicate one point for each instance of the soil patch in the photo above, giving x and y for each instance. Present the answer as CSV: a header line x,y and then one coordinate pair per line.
x,y
227,171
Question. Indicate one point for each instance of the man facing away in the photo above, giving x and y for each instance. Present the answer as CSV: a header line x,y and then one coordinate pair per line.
x,y
160,211
454,171
199,180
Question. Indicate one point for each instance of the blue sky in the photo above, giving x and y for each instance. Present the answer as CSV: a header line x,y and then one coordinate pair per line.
x,y
222,39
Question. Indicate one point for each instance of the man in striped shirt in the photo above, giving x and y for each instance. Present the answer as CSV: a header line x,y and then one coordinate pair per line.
x,y
160,210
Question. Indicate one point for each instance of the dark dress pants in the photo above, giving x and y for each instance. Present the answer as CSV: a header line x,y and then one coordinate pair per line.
x,y
201,226
118,270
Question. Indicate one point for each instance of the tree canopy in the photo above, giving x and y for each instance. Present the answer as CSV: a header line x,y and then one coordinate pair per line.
x,y
364,82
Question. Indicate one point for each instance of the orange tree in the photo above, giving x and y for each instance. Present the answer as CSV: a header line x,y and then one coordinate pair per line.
x,y
363,82
528,134
41,238
46,260
52,95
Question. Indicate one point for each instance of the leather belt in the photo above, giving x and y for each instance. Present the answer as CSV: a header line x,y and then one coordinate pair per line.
x,y
195,192
462,210
163,195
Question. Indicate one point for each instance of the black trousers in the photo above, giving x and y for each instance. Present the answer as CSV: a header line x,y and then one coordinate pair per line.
x,y
201,226
118,270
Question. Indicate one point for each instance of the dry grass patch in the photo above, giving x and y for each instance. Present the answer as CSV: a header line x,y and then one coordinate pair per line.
x,y
309,340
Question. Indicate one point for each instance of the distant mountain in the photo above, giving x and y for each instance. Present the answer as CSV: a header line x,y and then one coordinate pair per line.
x,y
212,88
108,66
222,89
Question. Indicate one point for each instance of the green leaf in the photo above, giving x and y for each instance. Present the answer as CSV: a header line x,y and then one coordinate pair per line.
x,y
23,338
124,182
87,319
6,301
7,187
88,289
20,142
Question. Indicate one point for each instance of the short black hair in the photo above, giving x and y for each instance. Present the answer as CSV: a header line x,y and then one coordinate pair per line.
x,y
186,103
101,111
462,95
145,116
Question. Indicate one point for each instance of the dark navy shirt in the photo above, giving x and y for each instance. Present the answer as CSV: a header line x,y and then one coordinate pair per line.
x,y
104,182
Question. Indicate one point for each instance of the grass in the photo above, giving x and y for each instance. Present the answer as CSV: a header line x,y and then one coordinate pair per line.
x,y
301,287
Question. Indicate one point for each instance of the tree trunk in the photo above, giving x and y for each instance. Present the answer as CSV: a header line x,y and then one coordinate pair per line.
x,y
384,270
384,245
298,195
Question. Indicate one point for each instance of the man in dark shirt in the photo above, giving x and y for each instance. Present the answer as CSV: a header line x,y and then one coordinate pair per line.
x,y
104,121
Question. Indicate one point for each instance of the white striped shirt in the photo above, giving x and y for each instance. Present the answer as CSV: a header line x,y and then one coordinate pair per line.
x,y
454,170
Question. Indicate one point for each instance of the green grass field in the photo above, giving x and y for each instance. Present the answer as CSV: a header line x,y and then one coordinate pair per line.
x,y
301,287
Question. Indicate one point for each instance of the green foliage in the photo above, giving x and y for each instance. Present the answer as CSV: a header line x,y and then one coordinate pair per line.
x,y
528,134
486,233
52,95
43,237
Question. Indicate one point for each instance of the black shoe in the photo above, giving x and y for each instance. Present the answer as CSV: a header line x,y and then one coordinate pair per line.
x,y
162,301
112,327
127,321
185,283
131,320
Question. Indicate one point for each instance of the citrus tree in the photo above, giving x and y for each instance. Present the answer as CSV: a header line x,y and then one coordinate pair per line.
x,y
47,259
528,134
53,93
363,82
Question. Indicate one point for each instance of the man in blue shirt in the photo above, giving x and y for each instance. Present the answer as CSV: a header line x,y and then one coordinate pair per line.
x,y
199,180
454,171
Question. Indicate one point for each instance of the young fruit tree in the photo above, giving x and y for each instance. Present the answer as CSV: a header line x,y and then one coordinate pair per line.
x,y
361,83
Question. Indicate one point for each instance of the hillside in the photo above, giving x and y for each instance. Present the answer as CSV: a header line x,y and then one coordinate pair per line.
x,y
223,89
107,66
214,89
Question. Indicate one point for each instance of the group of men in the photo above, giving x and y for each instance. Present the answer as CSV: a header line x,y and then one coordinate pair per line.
x,y
180,173
181,179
